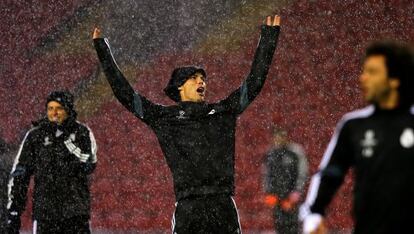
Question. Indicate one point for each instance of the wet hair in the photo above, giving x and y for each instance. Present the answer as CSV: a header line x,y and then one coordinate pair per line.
x,y
179,77
399,60
64,98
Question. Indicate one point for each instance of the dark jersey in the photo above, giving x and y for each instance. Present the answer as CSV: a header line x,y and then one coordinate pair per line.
x,y
379,145
61,188
286,170
197,139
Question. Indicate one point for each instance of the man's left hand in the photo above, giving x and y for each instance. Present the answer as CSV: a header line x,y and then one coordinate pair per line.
x,y
96,33
275,21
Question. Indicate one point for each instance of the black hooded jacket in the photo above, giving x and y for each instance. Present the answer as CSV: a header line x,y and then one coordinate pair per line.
x,y
197,139
61,188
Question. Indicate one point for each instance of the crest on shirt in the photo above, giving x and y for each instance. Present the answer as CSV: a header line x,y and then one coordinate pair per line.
x,y
47,141
181,115
72,136
368,143
212,112
407,138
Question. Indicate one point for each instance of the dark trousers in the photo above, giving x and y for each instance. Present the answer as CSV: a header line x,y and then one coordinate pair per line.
x,y
206,214
74,225
286,222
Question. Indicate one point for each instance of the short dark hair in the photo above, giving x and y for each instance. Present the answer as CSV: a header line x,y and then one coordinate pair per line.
x,y
179,77
399,59
64,98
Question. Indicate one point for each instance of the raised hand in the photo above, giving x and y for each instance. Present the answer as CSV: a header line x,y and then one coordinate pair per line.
x,y
275,21
96,33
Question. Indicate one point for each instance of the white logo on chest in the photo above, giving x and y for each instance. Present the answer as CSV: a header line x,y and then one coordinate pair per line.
x,y
407,138
72,136
368,143
181,115
47,142
212,112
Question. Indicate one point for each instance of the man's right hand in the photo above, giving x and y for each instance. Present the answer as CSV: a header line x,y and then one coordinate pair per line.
x,y
96,33
13,223
314,224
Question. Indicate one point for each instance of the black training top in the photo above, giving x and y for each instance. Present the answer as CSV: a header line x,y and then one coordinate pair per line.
x,y
286,170
197,139
379,145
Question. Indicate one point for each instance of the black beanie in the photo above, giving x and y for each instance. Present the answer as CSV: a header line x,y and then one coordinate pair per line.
x,y
64,98
179,77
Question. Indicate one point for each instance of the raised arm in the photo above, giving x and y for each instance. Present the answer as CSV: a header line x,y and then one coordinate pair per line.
x,y
132,100
251,86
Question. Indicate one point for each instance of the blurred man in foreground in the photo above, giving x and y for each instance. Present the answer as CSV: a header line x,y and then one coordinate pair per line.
x,y
378,143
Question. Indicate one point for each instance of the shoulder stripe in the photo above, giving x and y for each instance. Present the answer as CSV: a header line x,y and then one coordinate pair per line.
x,y
16,161
94,146
361,113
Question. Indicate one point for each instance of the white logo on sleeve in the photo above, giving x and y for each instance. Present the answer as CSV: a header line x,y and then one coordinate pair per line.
x,y
368,143
407,138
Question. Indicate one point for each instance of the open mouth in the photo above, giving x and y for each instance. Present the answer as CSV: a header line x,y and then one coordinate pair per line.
x,y
201,90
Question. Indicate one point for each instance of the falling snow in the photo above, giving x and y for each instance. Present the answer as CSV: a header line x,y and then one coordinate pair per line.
x,y
313,81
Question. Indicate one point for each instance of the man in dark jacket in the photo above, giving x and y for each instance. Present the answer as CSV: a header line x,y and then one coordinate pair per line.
x,y
285,176
378,142
197,138
60,153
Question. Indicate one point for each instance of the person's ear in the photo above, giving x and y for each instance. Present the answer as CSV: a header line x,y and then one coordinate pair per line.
x,y
180,88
